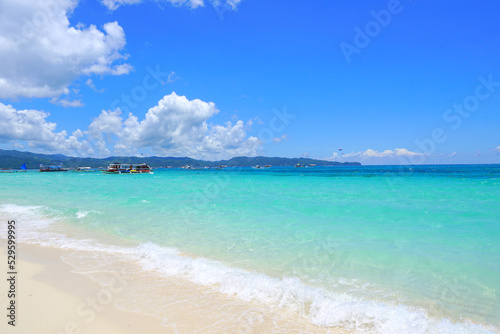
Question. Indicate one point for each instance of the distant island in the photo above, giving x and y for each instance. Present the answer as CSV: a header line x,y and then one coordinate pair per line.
x,y
14,159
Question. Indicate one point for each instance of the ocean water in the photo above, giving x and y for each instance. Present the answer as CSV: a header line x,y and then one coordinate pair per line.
x,y
376,249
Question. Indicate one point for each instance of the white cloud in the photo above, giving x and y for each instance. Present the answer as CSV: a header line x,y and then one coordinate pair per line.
x,y
32,127
280,139
92,86
174,122
403,152
175,127
102,128
41,54
114,4
193,4
17,145
372,155
107,122
67,102
497,149
230,3
229,141
172,77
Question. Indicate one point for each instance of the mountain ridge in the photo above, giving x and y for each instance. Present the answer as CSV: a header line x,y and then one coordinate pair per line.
x,y
14,159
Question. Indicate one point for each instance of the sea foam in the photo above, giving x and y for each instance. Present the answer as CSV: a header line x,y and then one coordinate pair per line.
x,y
320,307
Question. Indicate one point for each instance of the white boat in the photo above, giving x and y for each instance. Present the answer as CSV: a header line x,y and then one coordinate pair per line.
x,y
83,169
119,168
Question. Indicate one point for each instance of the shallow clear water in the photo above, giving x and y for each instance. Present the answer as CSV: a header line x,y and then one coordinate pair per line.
x,y
419,245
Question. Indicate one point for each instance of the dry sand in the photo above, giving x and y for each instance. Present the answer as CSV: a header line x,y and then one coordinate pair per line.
x,y
52,298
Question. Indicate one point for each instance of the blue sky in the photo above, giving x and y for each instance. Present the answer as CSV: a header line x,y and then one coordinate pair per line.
x,y
389,82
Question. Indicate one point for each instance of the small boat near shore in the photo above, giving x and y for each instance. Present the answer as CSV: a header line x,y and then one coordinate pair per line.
x,y
260,167
10,170
6,170
53,168
83,169
119,168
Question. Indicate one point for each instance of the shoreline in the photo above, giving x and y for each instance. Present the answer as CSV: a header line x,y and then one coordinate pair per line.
x,y
54,297
171,291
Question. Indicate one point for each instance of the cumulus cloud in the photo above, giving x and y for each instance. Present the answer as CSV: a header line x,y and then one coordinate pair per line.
x,y
32,127
497,149
102,129
229,141
41,53
175,126
175,122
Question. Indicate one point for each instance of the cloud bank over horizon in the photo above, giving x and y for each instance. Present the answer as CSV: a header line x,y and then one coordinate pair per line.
x,y
176,126
400,155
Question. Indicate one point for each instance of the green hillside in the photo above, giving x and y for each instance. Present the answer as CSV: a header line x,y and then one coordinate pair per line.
x,y
14,159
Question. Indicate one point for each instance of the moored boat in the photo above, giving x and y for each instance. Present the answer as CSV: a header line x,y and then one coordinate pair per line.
x,y
53,168
119,168
83,169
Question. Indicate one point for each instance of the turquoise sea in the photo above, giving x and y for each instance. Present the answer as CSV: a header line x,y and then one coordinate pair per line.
x,y
379,249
